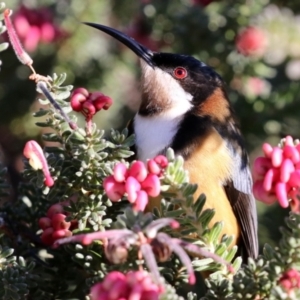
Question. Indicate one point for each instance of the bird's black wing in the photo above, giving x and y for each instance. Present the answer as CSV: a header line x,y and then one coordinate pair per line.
x,y
244,208
239,193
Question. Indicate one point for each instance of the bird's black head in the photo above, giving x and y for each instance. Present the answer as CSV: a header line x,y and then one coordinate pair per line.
x,y
170,82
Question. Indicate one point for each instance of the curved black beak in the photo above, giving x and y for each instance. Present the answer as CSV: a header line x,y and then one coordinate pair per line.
x,y
140,50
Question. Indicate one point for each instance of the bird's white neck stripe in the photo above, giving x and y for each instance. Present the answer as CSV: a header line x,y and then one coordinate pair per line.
x,y
155,133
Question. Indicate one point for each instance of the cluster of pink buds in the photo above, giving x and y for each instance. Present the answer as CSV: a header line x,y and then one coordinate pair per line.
x,y
277,174
54,225
89,103
290,280
136,285
139,181
37,160
34,26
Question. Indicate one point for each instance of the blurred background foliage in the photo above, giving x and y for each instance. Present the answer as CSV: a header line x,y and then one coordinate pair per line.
x,y
253,44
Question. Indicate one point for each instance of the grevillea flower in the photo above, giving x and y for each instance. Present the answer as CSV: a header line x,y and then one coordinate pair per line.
x,y
14,40
37,160
290,280
251,41
89,103
36,25
150,244
138,182
135,285
277,174
55,226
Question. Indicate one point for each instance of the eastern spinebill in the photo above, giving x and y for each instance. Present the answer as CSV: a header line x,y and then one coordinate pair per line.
x,y
184,106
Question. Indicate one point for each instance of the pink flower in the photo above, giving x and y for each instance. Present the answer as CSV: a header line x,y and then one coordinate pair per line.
x,y
251,41
14,40
277,174
135,285
138,182
254,87
202,2
114,190
36,25
151,244
89,103
37,160
55,226
290,280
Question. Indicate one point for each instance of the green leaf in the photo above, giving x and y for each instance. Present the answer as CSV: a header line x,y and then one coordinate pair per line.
x,y
6,252
3,46
51,137
215,232
123,153
41,113
62,77
44,101
42,124
174,213
206,217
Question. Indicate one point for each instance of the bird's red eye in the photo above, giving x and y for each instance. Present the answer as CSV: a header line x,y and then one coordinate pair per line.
x,y
180,73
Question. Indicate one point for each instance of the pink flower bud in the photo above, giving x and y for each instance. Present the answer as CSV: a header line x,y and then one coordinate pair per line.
x,y
37,160
54,209
141,201
162,161
59,222
151,185
292,153
46,236
132,186
287,167
138,171
114,190
89,109
61,233
267,149
261,194
290,281
281,193
82,91
294,180
47,32
153,167
268,180
120,172
111,278
94,95
98,291
277,157
260,167
102,102
289,141
44,223
77,101
192,279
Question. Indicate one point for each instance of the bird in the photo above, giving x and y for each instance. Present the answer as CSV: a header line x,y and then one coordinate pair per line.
x,y
184,105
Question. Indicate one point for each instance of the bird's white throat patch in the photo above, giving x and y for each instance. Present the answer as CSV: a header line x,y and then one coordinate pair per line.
x,y
156,132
